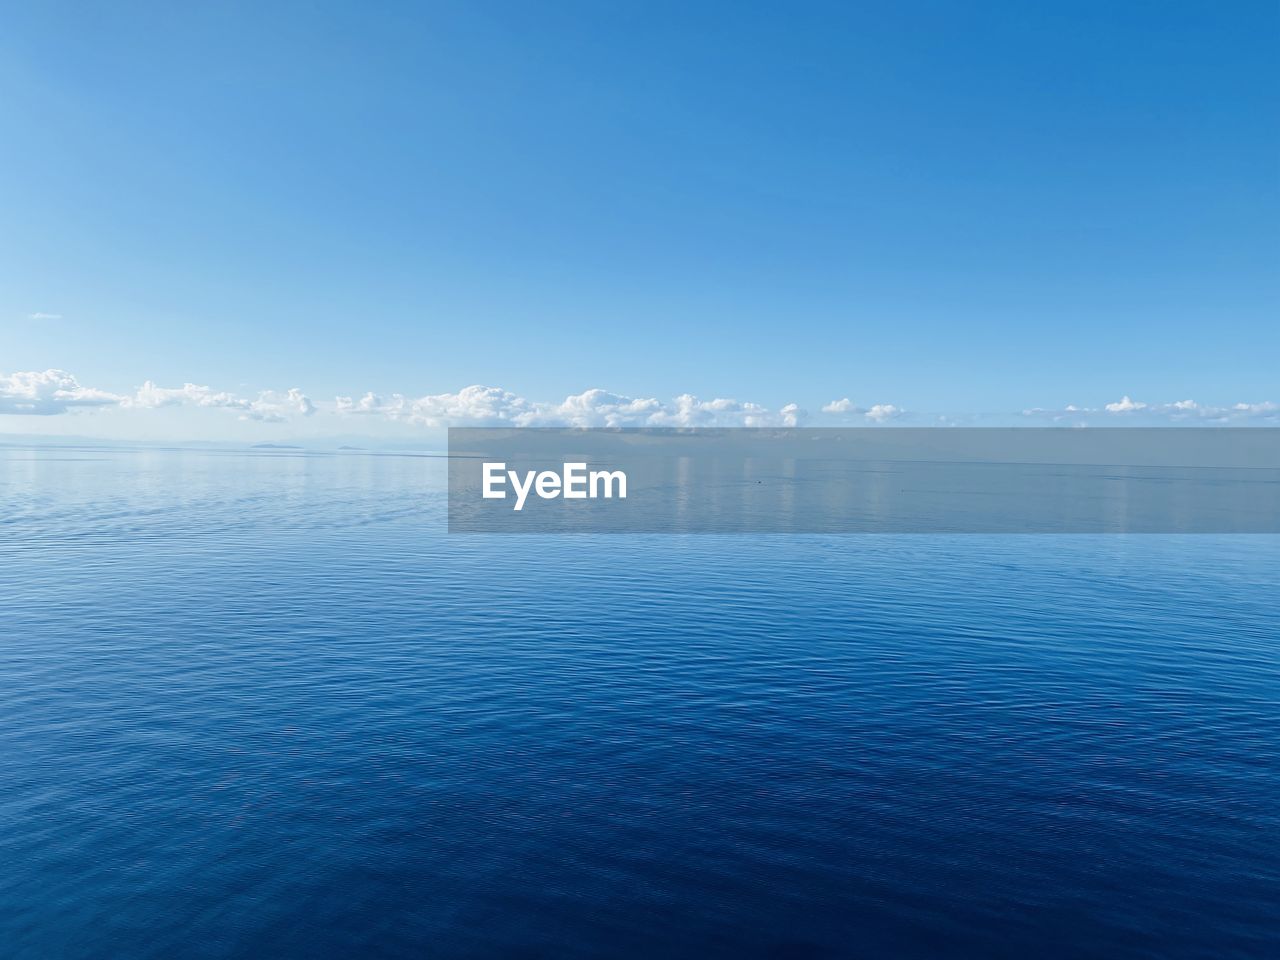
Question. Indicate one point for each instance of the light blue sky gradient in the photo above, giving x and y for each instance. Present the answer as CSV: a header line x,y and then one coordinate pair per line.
x,y
946,206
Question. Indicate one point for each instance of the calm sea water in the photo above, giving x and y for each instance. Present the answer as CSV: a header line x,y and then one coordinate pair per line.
x,y
259,705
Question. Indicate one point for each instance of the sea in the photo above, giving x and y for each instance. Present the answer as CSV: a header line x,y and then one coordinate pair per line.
x,y
259,704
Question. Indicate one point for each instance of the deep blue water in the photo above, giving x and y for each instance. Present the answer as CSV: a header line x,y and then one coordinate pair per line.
x,y
261,706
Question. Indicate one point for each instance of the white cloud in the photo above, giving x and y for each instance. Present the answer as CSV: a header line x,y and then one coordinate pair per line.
x,y
600,408
882,412
1176,411
687,410
273,407
370,403
269,407
48,392
492,406
52,392
1125,405
44,316
846,409
472,406
792,415
189,394
1264,409
475,404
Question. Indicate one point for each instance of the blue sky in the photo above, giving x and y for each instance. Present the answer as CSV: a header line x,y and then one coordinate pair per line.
x,y
946,207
